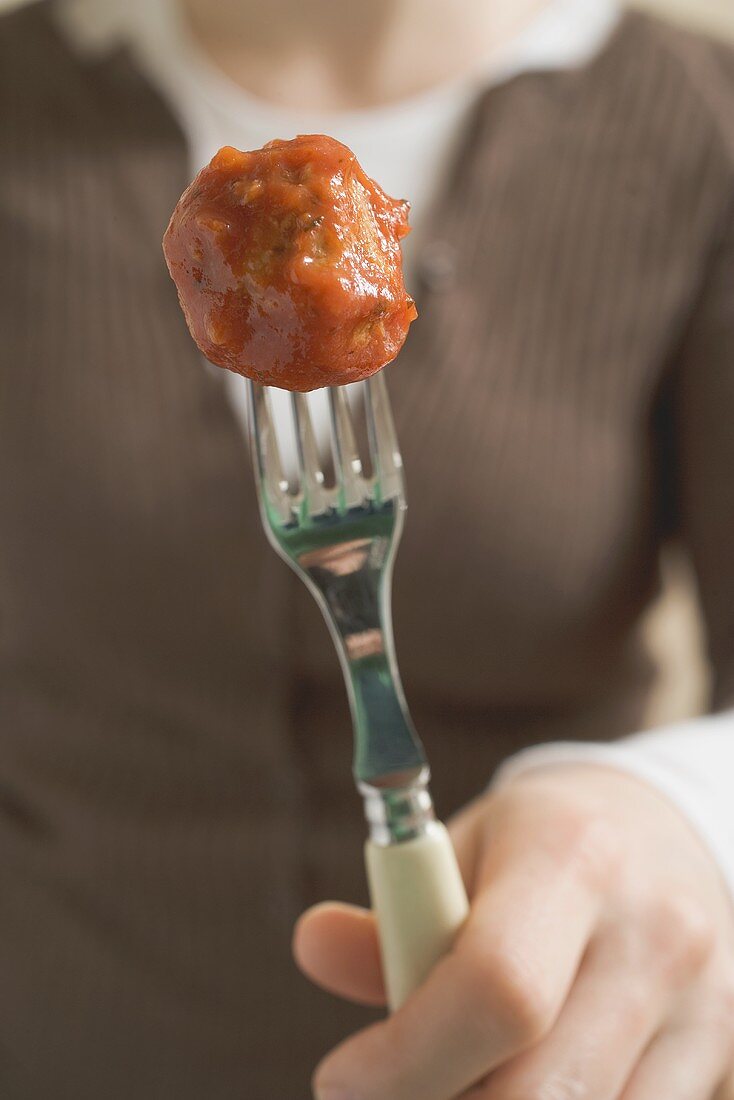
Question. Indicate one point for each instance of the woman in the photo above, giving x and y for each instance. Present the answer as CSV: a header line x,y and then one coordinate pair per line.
x,y
175,752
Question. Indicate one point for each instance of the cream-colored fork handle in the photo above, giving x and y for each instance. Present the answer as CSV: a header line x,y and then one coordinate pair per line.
x,y
420,902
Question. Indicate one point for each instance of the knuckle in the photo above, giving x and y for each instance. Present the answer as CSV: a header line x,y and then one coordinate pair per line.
x,y
597,849
682,934
638,1004
585,839
514,998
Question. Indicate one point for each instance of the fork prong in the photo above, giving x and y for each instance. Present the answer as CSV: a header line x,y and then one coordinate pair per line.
x,y
266,456
386,459
314,496
347,464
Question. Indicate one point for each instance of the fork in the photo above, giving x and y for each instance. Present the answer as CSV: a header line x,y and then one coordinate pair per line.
x,y
341,540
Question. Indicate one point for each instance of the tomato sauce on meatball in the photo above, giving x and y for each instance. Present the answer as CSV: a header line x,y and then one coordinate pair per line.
x,y
288,266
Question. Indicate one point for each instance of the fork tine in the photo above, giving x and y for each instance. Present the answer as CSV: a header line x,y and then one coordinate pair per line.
x,y
314,495
383,440
347,464
266,456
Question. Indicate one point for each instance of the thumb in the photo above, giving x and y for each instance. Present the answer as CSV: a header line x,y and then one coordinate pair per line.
x,y
336,946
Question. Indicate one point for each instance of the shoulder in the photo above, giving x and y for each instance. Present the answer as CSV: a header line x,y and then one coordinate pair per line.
x,y
691,75
61,95
77,125
45,89
32,51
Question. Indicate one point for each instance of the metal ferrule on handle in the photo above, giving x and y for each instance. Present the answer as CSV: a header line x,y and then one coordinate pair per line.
x,y
397,814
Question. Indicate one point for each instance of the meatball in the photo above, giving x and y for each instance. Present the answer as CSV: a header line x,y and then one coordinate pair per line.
x,y
288,266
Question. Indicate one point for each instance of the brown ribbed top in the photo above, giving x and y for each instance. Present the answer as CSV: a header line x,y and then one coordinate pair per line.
x,y
174,744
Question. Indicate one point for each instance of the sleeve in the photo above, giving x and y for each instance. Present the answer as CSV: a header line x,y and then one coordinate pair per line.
x,y
692,764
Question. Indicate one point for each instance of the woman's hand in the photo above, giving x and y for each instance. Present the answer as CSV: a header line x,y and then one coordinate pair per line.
x,y
597,962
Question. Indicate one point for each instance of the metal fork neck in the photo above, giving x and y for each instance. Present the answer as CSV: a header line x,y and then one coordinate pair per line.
x,y
397,814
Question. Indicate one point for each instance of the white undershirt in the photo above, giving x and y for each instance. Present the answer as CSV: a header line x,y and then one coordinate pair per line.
x,y
407,148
